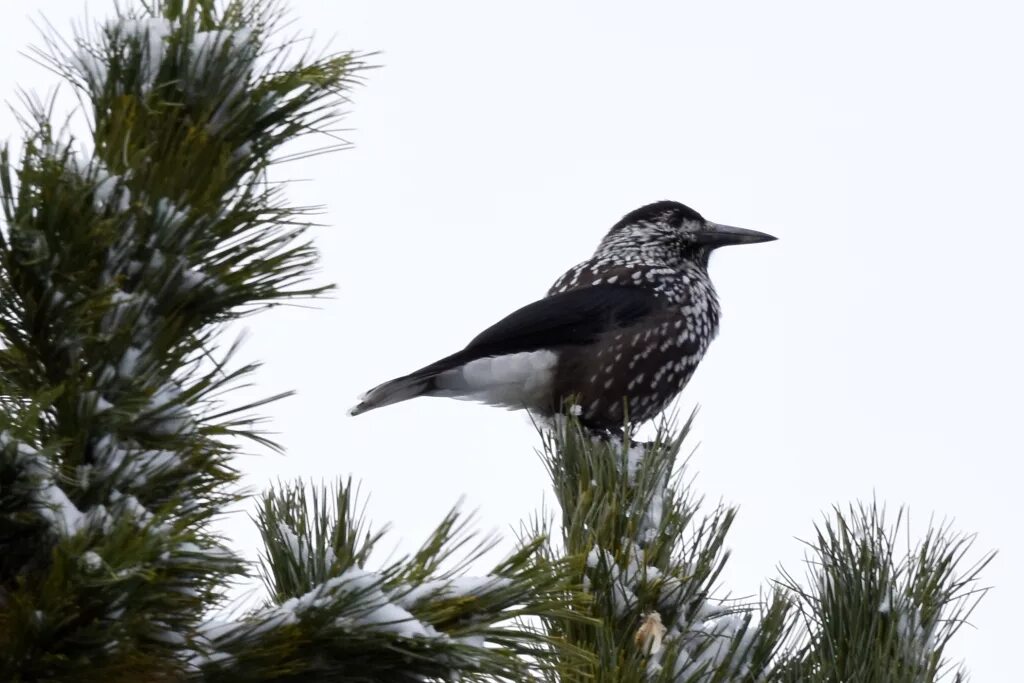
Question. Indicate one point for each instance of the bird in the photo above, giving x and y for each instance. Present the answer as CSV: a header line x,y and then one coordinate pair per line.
x,y
614,341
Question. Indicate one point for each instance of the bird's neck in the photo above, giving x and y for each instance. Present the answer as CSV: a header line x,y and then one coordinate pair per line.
x,y
700,293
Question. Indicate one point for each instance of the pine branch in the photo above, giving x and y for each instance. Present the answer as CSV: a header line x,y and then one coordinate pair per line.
x,y
647,560
417,618
870,613
119,260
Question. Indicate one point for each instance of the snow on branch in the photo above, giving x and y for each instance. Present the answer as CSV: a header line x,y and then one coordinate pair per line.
x,y
122,256
869,605
650,559
437,621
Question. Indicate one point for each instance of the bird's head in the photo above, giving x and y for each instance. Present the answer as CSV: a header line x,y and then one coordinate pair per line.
x,y
675,232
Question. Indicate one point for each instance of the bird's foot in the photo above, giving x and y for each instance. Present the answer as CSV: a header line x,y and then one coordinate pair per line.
x,y
618,436
605,434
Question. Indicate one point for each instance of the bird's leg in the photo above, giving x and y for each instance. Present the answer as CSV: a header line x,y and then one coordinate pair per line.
x,y
619,434
605,434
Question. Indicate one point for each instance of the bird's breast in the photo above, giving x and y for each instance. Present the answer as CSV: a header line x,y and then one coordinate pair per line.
x,y
640,369
643,367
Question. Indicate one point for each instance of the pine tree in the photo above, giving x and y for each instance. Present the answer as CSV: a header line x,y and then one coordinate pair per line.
x,y
122,257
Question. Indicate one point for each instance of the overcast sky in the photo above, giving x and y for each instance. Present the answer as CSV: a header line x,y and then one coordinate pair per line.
x,y
875,349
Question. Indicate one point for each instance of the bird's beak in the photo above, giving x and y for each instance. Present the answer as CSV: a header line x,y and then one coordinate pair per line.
x,y
717,235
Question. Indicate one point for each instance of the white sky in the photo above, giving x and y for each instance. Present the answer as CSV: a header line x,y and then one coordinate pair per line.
x,y
873,350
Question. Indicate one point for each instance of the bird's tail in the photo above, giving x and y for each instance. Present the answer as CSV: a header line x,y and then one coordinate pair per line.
x,y
393,391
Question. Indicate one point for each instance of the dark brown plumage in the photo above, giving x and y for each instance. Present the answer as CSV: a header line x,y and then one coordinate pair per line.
x,y
621,331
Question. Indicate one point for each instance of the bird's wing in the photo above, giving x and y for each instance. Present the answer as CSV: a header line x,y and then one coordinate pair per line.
x,y
572,318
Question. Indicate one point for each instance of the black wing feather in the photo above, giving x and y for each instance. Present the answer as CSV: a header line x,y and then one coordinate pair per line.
x,y
573,318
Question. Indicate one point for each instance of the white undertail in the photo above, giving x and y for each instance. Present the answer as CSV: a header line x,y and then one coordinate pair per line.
x,y
515,380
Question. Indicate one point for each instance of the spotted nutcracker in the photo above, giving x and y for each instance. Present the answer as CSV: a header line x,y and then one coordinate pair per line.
x,y
619,334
